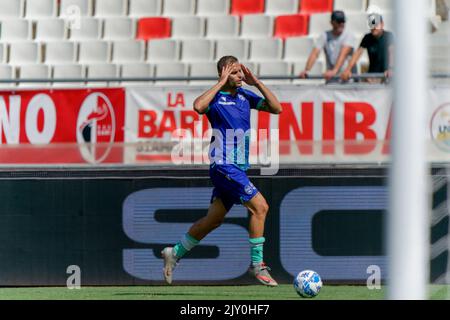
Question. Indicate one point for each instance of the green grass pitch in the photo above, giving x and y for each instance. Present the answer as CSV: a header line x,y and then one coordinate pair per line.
x,y
251,292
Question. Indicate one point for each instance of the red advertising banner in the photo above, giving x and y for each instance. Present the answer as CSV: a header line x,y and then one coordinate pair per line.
x,y
69,126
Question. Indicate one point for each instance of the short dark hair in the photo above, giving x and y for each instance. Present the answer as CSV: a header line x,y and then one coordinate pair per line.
x,y
225,60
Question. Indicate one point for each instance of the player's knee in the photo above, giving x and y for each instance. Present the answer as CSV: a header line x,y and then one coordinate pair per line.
x,y
262,210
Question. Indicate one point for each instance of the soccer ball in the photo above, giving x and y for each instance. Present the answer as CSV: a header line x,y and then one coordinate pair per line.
x,y
308,284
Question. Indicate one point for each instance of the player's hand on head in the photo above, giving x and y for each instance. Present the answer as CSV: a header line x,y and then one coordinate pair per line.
x,y
226,71
249,77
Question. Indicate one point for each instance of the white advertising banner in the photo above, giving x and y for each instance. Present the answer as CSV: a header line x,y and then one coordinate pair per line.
x,y
319,124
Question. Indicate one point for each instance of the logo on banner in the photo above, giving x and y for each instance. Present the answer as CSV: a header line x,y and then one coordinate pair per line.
x,y
440,127
96,127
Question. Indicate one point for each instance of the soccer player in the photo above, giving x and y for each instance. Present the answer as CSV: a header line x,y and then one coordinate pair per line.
x,y
227,106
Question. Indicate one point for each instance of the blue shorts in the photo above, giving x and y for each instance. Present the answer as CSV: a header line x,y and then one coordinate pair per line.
x,y
231,185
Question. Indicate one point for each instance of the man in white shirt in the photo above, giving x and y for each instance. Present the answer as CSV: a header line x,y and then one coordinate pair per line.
x,y
337,44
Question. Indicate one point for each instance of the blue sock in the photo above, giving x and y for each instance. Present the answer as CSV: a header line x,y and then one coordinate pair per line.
x,y
185,245
256,249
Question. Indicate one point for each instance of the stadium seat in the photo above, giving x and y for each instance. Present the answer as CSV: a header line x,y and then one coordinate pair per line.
x,y
63,52
316,6
26,52
291,26
128,51
102,70
3,52
222,27
235,47
318,69
177,69
111,8
298,48
213,7
188,27
383,5
38,9
266,49
350,5
16,30
89,29
52,29
68,71
165,50
136,70
153,28
73,8
257,26
145,8
93,52
388,19
7,72
357,24
119,28
197,50
281,7
11,9
277,68
319,23
34,71
240,7
173,8
203,69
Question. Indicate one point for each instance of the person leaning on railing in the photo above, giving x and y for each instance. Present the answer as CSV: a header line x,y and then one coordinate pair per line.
x,y
380,47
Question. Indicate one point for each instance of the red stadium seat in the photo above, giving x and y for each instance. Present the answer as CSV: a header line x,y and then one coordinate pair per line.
x,y
153,28
315,6
240,7
291,26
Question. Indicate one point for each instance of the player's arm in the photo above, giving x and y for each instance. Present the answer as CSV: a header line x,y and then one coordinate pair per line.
x,y
201,104
348,71
271,103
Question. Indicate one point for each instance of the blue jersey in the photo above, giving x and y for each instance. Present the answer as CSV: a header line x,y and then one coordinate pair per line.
x,y
230,120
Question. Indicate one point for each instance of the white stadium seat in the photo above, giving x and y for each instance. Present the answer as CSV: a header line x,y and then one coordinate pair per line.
x,y
197,50
38,9
203,69
163,50
3,52
357,24
89,29
102,70
319,23
7,72
91,52
34,71
222,27
209,8
298,48
350,5
178,7
68,71
236,47
145,8
73,8
111,8
383,5
136,70
281,7
128,51
119,28
188,27
278,68
16,30
11,8
175,69
52,29
62,52
257,26
266,49
22,53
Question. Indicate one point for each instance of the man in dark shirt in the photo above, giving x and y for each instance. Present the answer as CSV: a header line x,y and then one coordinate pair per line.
x,y
379,45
